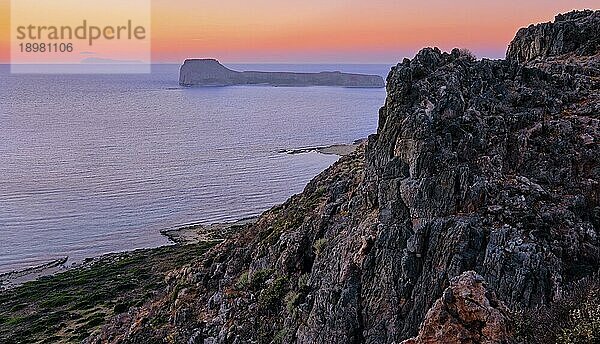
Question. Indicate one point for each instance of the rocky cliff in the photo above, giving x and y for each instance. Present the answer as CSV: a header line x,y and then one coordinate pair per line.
x,y
569,33
209,72
489,166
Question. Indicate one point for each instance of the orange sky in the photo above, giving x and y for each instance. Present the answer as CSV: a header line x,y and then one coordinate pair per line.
x,y
374,31
4,31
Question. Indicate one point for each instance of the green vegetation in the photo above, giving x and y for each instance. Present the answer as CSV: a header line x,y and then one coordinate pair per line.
x,y
68,307
303,281
316,196
573,318
291,301
243,282
584,325
272,296
292,214
259,277
319,245
255,281
285,220
280,336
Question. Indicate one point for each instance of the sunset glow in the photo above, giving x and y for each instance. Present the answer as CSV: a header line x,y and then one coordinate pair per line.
x,y
379,31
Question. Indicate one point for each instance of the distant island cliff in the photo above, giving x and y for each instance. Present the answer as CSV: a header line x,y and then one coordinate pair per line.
x,y
209,72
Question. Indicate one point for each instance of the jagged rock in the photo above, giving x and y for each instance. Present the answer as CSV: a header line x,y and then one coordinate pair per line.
x,y
490,166
577,32
467,313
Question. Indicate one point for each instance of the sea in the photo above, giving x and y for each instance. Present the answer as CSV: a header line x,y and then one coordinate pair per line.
x,y
93,164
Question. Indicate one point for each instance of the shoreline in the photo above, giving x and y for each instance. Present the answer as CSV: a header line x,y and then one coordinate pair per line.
x,y
14,278
185,234
189,234
83,299
215,232
334,149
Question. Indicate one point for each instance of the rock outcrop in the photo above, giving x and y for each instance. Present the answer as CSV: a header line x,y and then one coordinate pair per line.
x,y
486,166
209,72
467,313
575,32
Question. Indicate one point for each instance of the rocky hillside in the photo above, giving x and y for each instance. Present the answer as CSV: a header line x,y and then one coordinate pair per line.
x,y
489,166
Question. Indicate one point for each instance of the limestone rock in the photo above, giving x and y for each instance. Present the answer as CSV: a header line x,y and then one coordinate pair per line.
x,y
467,313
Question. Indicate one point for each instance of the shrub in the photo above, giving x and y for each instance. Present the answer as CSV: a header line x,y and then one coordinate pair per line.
x,y
319,245
280,336
272,295
291,301
584,325
243,281
258,278
303,281
573,318
467,53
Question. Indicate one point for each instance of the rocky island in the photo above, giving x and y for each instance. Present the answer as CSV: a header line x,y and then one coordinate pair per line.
x,y
209,72
471,216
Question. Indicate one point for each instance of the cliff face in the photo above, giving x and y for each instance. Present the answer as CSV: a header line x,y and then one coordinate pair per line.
x,y
569,33
490,166
209,72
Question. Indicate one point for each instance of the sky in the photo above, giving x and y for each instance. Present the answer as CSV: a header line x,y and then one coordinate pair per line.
x,y
330,31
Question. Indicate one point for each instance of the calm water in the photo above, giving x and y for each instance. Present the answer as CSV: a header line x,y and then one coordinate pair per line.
x,y
97,164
